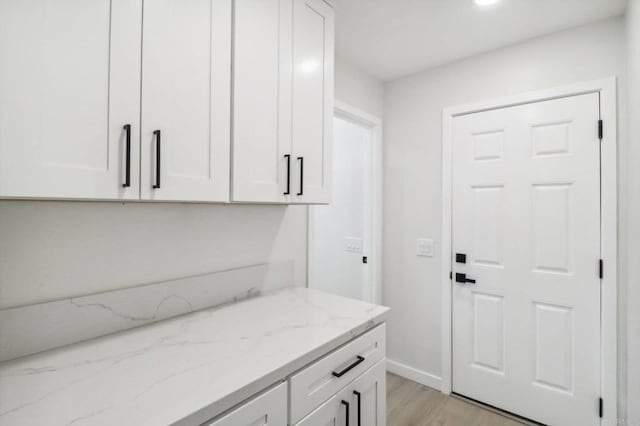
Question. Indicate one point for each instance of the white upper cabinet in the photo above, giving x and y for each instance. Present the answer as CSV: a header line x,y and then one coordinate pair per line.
x,y
69,83
312,112
282,101
185,124
116,100
261,100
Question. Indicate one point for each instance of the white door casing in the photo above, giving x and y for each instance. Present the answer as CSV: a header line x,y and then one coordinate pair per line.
x,y
70,81
526,212
186,96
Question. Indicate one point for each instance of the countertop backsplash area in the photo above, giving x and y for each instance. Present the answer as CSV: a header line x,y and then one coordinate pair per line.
x,y
26,330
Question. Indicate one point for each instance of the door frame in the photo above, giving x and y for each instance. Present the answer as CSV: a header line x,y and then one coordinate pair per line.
x,y
346,111
608,226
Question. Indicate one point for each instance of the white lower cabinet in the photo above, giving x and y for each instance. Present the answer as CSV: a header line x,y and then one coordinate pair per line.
x,y
368,396
270,409
362,403
349,383
324,378
333,412
346,387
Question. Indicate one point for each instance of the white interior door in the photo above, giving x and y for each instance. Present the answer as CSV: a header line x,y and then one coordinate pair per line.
x,y
342,230
526,213
186,90
69,83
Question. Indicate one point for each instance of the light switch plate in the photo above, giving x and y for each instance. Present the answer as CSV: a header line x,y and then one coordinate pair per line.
x,y
424,247
353,244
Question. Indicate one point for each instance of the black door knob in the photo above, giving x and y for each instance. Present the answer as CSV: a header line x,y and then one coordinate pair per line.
x,y
462,278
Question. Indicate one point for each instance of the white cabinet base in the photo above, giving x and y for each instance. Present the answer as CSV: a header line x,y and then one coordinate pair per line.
x,y
363,402
268,409
316,397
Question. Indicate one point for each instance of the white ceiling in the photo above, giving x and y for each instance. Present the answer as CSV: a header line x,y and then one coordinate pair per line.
x,y
392,38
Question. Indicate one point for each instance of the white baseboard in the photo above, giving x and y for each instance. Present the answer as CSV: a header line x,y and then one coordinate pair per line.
x,y
414,374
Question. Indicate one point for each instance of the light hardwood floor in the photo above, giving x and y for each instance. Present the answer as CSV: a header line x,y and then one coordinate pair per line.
x,y
412,404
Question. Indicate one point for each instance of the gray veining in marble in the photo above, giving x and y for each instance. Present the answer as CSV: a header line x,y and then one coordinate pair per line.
x,y
30,329
184,370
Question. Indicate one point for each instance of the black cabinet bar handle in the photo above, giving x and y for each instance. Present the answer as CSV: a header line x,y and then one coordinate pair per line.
x,y
127,175
157,135
301,175
288,158
358,395
346,406
349,368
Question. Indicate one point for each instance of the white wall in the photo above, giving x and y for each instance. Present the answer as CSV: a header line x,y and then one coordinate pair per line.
x,y
358,88
52,250
413,121
633,226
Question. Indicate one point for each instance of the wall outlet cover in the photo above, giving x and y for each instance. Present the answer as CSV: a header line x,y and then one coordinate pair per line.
x,y
424,247
353,244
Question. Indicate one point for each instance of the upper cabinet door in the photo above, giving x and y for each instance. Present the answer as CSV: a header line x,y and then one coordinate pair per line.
x,y
186,100
69,83
262,101
312,112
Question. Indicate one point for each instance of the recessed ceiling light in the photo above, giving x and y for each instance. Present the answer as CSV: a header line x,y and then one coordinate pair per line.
x,y
485,2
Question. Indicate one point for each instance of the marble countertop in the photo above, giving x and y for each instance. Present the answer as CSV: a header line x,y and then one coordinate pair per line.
x,y
185,370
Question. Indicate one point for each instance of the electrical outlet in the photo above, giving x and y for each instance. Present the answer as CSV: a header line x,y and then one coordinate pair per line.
x,y
424,247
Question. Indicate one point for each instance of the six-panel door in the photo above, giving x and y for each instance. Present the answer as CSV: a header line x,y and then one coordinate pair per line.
x,y
526,212
69,83
312,99
185,100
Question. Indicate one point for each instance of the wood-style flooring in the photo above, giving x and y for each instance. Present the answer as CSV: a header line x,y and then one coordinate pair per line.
x,y
412,404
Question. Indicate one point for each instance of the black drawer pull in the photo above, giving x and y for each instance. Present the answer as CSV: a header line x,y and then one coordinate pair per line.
x,y
158,160
288,191
346,405
127,175
358,395
349,368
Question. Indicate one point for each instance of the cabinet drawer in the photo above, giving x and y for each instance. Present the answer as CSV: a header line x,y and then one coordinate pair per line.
x,y
361,403
321,380
270,408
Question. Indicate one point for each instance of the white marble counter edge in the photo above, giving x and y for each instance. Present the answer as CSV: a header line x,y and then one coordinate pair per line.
x,y
222,406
